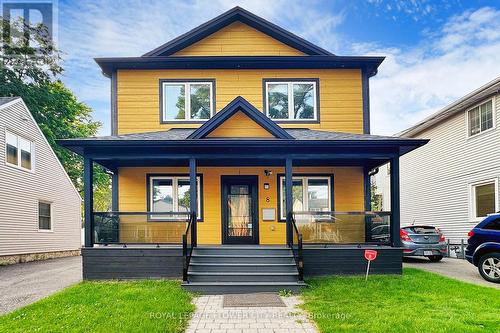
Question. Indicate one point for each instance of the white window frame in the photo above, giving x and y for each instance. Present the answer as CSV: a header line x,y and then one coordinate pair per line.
x,y
51,215
305,185
32,152
291,102
175,203
472,197
493,111
187,100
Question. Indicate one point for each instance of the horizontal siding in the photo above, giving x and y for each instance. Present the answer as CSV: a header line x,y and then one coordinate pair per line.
x,y
20,191
138,99
240,125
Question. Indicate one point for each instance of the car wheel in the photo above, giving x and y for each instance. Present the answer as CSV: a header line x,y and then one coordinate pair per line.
x,y
435,258
489,267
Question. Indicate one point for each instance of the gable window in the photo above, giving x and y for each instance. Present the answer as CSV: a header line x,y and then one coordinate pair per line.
x,y
480,118
187,101
309,193
291,100
44,216
484,198
171,194
18,151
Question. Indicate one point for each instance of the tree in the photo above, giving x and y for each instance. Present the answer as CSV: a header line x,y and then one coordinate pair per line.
x,y
31,70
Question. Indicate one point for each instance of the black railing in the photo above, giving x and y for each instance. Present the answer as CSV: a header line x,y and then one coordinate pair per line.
x,y
296,247
188,243
139,227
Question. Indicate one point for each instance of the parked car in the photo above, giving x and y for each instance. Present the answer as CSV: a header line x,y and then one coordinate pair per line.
x,y
423,240
483,248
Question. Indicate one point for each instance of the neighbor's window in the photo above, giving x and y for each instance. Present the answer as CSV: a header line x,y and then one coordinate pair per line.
x,y
171,194
480,118
44,216
312,194
291,100
484,197
191,101
18,151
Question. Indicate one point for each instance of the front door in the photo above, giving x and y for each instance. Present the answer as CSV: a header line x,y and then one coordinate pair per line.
x,y
240,210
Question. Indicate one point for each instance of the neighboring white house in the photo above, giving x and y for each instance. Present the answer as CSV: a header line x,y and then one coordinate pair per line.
x,y
40,209
453,181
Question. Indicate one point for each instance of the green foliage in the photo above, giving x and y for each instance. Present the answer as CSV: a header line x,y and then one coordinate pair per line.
x,y
145,306
31,73
376,199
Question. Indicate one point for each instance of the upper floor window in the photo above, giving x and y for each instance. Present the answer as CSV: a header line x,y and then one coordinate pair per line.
x,y
292,100
19,151
187,101
480,118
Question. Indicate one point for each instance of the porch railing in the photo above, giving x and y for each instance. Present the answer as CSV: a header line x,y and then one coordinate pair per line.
x,y
188,244
296,247
343,227
139,227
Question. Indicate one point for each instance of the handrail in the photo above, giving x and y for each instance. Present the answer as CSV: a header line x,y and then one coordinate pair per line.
x,y
297,255
188,252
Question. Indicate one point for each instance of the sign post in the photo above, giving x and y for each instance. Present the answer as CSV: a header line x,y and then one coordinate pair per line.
x,y
370,255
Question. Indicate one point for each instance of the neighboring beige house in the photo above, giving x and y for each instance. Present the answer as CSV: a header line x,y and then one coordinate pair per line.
x,y
453,181
40,209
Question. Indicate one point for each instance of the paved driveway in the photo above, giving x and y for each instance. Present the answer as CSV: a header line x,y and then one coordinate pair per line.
x,y
23,284
455,268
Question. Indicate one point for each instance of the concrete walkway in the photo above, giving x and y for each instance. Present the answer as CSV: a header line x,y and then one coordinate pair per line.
x,y
23,284
211,317
454,268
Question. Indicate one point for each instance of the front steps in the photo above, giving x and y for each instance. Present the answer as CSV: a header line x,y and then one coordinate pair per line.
x,y
242,269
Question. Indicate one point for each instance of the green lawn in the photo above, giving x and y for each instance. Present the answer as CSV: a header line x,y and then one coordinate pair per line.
x,y
145,306
415,302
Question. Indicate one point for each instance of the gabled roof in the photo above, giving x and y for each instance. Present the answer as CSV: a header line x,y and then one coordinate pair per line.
x,y
233,15
239,104
469,100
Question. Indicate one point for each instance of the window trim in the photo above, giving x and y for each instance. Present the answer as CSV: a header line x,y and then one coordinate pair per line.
x,y
290,82
186,83
331,185
149,192
472,198
19,155
493,113
51,215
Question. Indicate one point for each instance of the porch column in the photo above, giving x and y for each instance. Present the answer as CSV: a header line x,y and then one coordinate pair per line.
x,y
395,197
193,200
114,191
88,200
288,199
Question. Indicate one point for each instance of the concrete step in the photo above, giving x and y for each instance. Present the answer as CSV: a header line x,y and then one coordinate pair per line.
x,y
241,287
242,277
242,267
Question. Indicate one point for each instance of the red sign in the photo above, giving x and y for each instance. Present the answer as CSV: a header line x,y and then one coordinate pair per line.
x,y
370,255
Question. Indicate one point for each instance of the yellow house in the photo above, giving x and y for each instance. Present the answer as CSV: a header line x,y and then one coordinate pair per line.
x,y
241,156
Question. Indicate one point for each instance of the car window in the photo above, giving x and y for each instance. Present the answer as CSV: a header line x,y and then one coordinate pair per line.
x,y
493,225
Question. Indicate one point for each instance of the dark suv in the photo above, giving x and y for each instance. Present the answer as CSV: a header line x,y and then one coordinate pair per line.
x,y
483,249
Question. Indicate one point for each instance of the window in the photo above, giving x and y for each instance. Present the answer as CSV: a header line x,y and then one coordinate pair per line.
x,y
187,101
484,198
480,118
44,216
493,225
18,151
291,101
171,194
310,193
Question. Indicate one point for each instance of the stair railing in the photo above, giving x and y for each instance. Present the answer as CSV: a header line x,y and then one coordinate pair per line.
x,y
188,243
296,247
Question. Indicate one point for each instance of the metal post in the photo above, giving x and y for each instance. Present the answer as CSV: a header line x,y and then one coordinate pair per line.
x,y
88,201
368,203
114,191
395,204
193,200
288,199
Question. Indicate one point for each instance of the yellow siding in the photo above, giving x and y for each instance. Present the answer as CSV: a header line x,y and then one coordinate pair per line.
x,y
238,39
240,126
341,104
348,194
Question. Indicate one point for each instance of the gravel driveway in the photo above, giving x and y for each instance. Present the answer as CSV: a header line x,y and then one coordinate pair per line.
x,y
454,268
23,284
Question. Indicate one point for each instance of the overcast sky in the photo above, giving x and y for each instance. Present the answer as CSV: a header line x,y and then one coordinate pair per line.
x,y
436,51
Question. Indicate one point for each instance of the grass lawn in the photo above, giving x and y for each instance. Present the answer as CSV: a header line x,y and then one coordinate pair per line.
x,y
143,306
416,302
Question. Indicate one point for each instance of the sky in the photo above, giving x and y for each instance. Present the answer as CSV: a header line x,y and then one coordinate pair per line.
x,y
436,51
